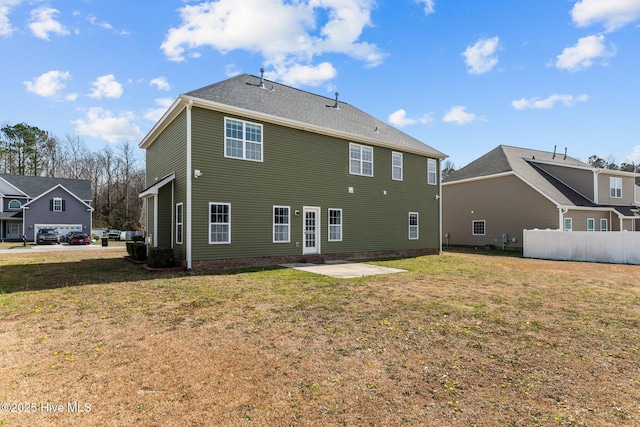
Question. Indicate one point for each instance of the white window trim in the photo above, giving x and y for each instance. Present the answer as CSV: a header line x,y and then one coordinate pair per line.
x,y
57,208
395,167
606,224
432,172
615,184
288,224
180,224
473,227
564,224
593,221
359,160
244,140
14,209
228,223
416,227
329,225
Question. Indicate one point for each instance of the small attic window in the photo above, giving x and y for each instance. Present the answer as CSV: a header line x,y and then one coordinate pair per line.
x,y
15,205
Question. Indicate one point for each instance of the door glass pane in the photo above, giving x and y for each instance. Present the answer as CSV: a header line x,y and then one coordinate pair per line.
x,y
310,228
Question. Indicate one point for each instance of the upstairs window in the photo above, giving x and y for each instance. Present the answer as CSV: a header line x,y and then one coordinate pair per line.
x,y
242,140
14,205
360,160
396,165
57,204
432,171
615,186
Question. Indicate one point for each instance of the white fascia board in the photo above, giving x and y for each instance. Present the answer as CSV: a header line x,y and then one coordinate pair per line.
x,y
26,205
588,168
479,178
153,190
255,115
164,121
18,191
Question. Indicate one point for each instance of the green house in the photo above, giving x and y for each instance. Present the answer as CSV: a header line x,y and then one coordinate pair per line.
x,y
249,172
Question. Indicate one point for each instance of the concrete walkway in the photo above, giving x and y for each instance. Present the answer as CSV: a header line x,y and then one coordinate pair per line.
x,y
344,269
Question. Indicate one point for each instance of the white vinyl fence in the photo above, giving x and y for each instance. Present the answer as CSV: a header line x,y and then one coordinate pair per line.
x,y
617,247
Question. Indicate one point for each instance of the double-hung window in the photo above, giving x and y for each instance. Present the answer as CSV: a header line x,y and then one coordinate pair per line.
x,y
179,222
396,166
360,160
219,223
413,226
568,224
591,224
478,228
281,224
615,187
335,225
242,140
432,171
604,226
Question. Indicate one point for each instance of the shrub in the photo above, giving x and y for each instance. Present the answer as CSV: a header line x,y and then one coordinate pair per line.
x,y
160,257
130,248
137,251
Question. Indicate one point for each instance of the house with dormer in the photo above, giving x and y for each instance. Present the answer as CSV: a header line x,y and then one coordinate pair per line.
x,y
29,203
509,189
252,172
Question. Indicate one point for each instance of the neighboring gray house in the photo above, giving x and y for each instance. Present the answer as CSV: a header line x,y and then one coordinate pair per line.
x,y
249,172
28,203
509,189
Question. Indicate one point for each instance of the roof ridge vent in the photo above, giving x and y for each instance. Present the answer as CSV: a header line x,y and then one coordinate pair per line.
x,y
336,106
261,85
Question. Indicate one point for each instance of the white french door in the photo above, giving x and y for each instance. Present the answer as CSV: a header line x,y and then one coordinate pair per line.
x,y
311,230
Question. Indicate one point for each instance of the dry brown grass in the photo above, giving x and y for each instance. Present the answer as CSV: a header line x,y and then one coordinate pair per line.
x,y
461,340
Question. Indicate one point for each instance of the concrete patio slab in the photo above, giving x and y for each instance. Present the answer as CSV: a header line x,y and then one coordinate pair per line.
x,y
344,269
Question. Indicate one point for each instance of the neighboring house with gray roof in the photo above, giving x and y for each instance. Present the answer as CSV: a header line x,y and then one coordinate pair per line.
x,y
510,189
28,203
253,172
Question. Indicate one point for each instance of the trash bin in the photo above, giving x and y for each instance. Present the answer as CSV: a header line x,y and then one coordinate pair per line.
x,y
105,241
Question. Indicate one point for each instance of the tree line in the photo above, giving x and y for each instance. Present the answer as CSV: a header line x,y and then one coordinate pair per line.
x,y
116,173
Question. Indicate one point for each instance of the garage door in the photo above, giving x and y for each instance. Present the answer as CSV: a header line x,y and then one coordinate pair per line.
x,y
63,229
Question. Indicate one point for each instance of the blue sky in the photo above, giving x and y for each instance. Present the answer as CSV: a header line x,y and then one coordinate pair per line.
x,y
463,76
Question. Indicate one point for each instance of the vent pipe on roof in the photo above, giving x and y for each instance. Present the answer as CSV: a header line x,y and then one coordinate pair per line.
x,y
261,85
554,151
336,106
565,153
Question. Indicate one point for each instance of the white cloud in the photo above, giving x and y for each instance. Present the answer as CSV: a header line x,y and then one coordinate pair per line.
x,y
614,14
104,124
399,118
290,41
106,87
42,23
49,83
104,24
154,114
582,55
161,83
480,58
549,102
5,7
296,74
459,116
429,6
635,156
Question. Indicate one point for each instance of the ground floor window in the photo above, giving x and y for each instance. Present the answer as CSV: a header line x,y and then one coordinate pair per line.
x,y
179,222
281,225
603,224
219,223
413,226
591,224
335,225
478,228
568,224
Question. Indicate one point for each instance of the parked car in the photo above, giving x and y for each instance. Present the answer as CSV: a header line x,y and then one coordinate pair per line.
x,y
78,238
114,234
47,235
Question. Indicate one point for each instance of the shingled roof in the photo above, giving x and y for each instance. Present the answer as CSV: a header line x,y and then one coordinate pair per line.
x,y
300,109
34,186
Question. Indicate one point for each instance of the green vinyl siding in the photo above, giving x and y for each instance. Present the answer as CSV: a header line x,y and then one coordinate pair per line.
x,y
304,169
167,155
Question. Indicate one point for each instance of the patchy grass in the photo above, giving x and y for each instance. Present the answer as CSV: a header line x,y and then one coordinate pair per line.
x,y
460,339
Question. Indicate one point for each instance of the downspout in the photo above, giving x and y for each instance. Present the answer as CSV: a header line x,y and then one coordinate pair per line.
x,y
189,185
595,185
439,197
561,213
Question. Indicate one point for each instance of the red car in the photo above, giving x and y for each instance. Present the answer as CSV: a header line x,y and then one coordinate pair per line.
x,y
80,239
